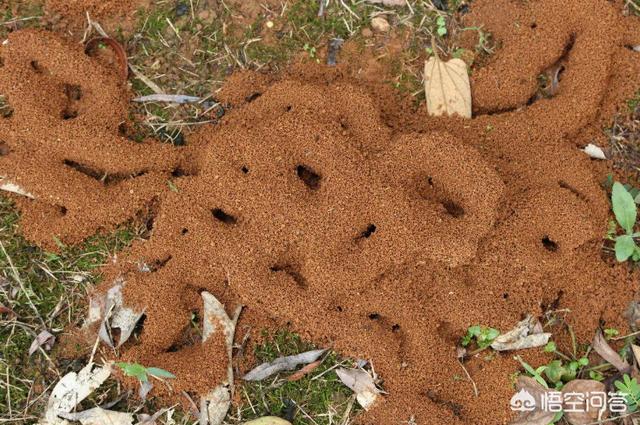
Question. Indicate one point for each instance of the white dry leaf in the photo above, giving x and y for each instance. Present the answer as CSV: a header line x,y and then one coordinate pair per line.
x,y
145,388
361,383
280,364
100,416
215,405
522,336
447,87
7,186
115,315
168,98
389,2
145,419
72,389
594,151
44,339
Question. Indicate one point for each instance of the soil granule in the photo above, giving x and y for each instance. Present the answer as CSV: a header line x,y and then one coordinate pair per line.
x,y
322,203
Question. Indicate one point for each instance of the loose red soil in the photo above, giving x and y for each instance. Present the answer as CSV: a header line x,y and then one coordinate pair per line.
x,y
324,203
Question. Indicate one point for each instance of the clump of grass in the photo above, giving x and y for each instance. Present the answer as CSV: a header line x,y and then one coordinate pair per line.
x,y
318,398
16,14
45,291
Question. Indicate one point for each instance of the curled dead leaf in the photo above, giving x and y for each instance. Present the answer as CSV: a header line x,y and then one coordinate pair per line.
x,y
71,389
632,314
524,335
527,400
44,339
577,410
215,404
8,186
100,416
594,151
447,87
111,312
362,384
602,347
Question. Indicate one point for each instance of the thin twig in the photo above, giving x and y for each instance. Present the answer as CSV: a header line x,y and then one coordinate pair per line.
x,y
473,383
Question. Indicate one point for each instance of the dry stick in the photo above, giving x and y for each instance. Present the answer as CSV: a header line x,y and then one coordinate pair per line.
x,y
17,278
473,383
625,336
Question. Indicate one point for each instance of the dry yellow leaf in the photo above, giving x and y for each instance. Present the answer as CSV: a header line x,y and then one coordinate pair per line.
x,y
447,87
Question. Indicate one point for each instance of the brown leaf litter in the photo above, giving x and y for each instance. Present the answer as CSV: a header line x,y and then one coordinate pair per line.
x,y
322,203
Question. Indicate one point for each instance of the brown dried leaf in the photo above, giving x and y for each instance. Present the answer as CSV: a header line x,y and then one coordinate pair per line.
x,y
305,370
527,401
601,346
577,410
632,314
6,310
447,87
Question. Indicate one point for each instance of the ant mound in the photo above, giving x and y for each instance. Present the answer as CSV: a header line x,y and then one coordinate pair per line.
x,y
60,138
316,205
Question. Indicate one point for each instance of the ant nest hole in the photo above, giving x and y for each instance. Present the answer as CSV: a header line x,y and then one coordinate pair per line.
x,y
549,244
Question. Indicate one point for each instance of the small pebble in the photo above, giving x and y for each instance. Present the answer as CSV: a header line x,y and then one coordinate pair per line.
x,y
380,24
269,24
367,33
182,9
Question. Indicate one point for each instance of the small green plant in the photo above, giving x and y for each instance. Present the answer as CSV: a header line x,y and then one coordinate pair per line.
x,y
611,333
484,40
557,372
482,335
311,51
625,211
534,373
630,388
441,26
142,373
